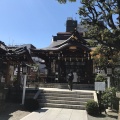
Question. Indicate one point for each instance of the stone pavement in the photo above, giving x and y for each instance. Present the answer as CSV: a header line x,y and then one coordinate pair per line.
x,y
57,114
67,114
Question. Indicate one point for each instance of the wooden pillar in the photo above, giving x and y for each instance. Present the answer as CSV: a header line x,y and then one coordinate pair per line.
x,y
89,70
49,69
59,60
7,76
18,75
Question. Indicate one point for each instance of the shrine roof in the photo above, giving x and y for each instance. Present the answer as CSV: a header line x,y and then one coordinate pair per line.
x,y
3,47
19,54
54,44
59,42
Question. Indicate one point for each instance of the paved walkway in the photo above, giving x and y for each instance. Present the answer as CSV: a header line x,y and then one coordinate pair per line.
x,y
57,114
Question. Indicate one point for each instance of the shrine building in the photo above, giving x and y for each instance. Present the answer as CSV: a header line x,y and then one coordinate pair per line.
x,y
67,52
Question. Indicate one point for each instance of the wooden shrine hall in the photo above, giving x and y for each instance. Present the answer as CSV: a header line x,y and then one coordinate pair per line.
x,y
13,57
67,52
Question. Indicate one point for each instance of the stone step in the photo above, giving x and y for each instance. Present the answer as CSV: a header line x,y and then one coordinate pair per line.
x,y
64,98
63,102
81,107
65,86
67,95
66,92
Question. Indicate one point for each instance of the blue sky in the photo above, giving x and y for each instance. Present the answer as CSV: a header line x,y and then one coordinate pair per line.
x,y
33,21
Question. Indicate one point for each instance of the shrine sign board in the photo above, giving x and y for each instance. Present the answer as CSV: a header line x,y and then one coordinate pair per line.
x,y
100,86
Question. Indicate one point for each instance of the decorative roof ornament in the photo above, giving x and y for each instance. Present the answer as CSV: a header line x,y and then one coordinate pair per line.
x,y
74,37
75,34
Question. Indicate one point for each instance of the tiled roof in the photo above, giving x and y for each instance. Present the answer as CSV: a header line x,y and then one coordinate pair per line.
x,y
72,39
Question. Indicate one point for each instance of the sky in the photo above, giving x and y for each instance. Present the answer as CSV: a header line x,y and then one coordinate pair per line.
x,y
34,21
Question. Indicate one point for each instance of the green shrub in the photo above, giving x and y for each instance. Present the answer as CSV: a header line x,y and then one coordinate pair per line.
x,y
100,78
109,97
31,104
92,108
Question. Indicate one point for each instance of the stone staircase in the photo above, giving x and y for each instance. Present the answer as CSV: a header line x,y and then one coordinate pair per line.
x,y
65,85
64,99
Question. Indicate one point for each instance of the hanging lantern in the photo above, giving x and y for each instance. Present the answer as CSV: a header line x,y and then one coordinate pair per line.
x,y
58,56
109,70
84,53
82,59
76,59
96,69
88,56
65,58
24,68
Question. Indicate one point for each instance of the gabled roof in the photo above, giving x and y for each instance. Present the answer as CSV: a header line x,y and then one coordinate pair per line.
x,y
15,54
3,48
19,54
74,38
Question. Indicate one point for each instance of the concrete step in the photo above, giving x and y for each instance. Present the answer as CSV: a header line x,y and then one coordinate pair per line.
x,y
66,92
67,95
63,102
65,86
81,107
64,99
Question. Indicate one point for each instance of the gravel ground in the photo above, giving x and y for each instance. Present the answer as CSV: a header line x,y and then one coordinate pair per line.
x,y
13,112
16,112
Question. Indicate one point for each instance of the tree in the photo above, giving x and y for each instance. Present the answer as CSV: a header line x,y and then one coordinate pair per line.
x,y
64,1
102,19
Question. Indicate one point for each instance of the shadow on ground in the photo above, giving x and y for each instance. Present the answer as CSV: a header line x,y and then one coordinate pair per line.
x,y
41,110
8,110
109,116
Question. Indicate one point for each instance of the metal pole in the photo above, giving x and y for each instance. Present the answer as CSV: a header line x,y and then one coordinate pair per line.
x,y
100,93
108,82
24,88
